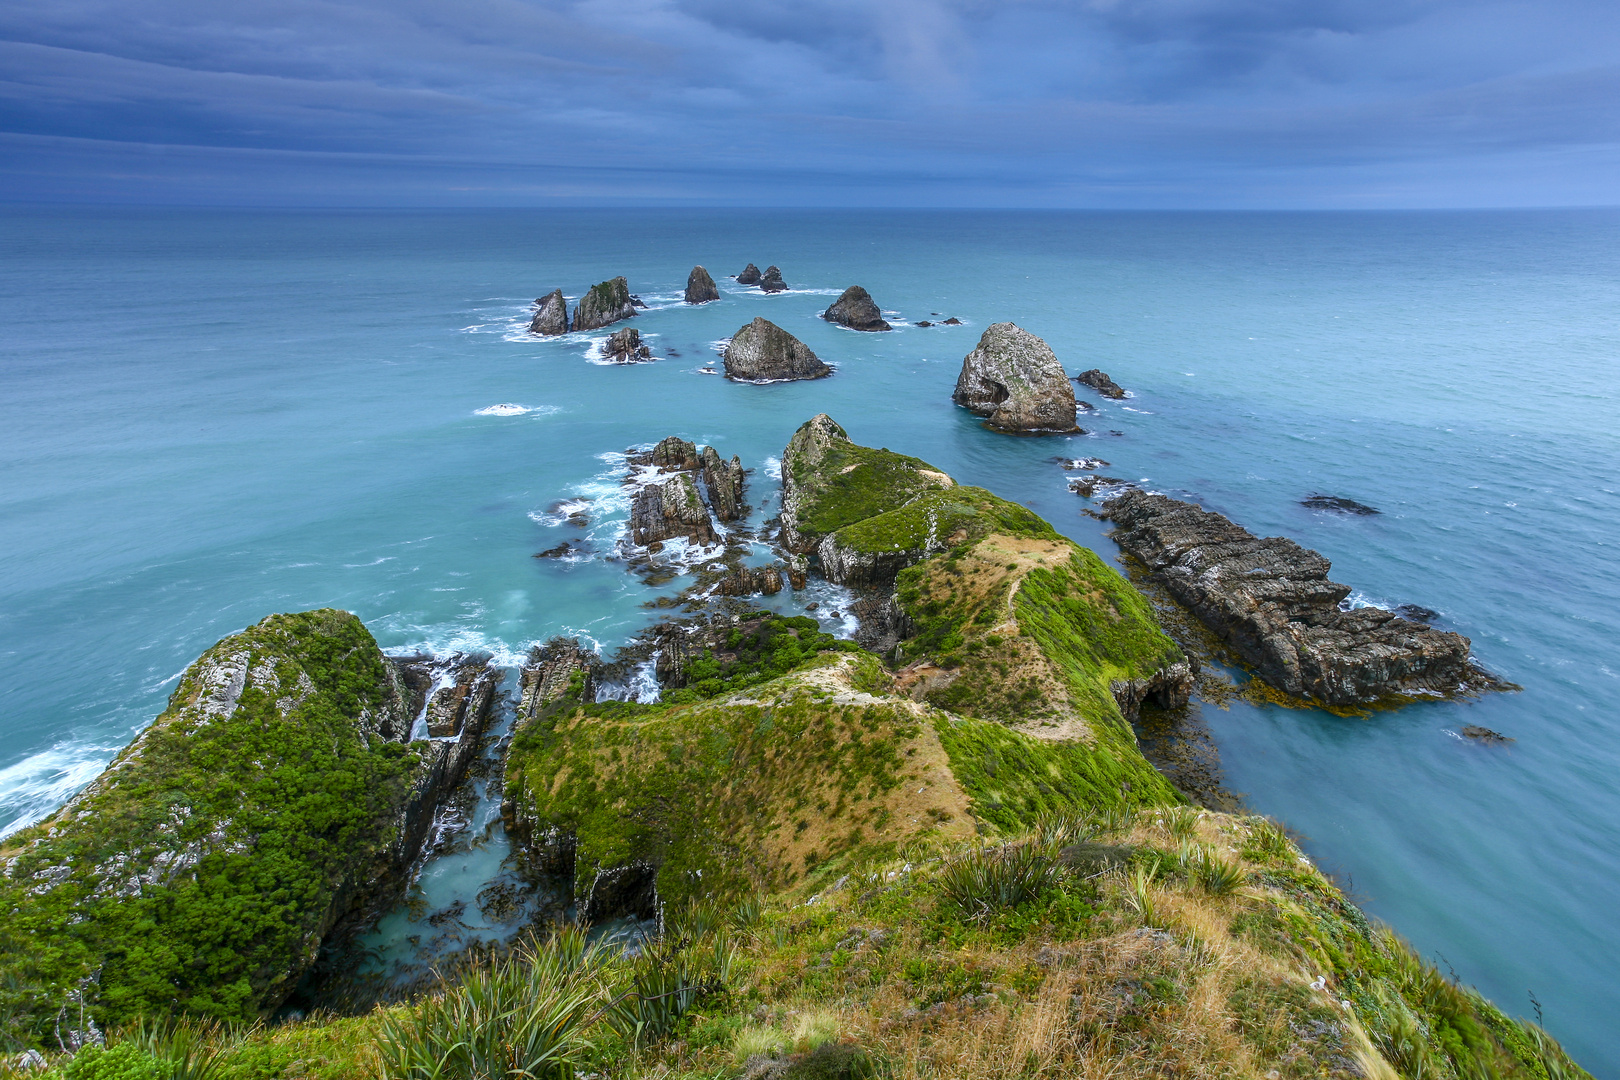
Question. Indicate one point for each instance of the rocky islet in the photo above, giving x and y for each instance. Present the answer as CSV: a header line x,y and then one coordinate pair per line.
x,y
700,287
856,310
1014,380
764,352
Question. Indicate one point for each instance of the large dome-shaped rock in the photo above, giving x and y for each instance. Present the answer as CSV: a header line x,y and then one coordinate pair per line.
x,y
550,315
771,280
1015,381
749,276
700,287
856,310
764,352
606,303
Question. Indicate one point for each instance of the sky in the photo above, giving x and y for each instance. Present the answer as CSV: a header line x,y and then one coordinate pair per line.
x,y
1019,103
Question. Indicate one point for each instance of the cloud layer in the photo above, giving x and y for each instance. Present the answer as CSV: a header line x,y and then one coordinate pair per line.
x,y
903,102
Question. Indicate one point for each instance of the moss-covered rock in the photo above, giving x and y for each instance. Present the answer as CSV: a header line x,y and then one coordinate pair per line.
x,y
274,798
604,303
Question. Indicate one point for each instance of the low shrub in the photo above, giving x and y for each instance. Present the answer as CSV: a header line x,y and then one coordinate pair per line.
x,y
984,881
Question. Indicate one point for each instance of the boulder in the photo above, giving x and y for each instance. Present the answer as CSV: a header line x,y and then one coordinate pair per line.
x,y
1100,382
700,287
625,347
605,303
1013,380
1271,602
550,316
856,310
723,480
764,352
749,276
669,509
771,280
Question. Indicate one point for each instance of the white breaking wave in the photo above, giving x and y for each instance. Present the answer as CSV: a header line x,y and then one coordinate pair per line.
x,y
773,468
506,408
35,786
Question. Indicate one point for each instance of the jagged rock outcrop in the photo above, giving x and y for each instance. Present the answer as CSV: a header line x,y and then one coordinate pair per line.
x,y
771,280
625,347
1100,382
764,352
604,303
856,310
550,315
700,287
551,669
669,509
465,701
1013,379
723,480
749,276
1271,601
277,801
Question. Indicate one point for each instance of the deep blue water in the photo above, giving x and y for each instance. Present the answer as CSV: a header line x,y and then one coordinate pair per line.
x,y
210,416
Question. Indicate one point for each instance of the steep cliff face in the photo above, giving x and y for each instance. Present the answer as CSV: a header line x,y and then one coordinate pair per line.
x,y
605,303
275,798
1013,379
1271,602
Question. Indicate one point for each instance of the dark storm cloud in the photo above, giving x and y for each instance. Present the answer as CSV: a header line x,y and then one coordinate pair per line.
x,y
1190,101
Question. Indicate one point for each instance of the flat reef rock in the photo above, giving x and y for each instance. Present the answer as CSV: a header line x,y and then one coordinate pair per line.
x,y
764,352
771,280
278,800
1013,379
700,287
625,347
605,303
1100,382
1271,602
856,310
550,316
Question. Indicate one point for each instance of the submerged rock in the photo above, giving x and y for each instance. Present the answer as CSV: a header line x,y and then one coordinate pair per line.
x,y
749,276
605,303
625,347
274,805
700,287
1013,380
1335,503
1100,382
764,352
550,316
1271,601
856,310
1485,735
771,280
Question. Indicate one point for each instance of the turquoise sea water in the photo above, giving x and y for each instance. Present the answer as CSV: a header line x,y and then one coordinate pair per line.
x,y
207,417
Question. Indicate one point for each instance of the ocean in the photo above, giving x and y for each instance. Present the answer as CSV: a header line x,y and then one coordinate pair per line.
x,y
208,416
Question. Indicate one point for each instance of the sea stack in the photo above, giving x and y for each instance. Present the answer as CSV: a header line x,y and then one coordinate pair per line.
x,y
1100,382
1014,380
551,315
856,310
1271,601
749,276
625,347
606,303
764,352
771,280
700,288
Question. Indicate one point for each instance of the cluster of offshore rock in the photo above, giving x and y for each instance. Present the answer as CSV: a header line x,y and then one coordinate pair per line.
x,y
687,492
769,281
604,303
1271,602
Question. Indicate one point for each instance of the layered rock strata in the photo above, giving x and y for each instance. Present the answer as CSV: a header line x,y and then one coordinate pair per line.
x,y
1013,379
276,802
764,352
700,287
771,281
668,506
550,315
856,310
625,347
1100,382
607,302
669,509
1270,600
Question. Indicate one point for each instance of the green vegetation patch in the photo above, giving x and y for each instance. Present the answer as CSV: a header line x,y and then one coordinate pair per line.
x,y
940,518
850,483
195,874
725,797
1013,779
760,648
